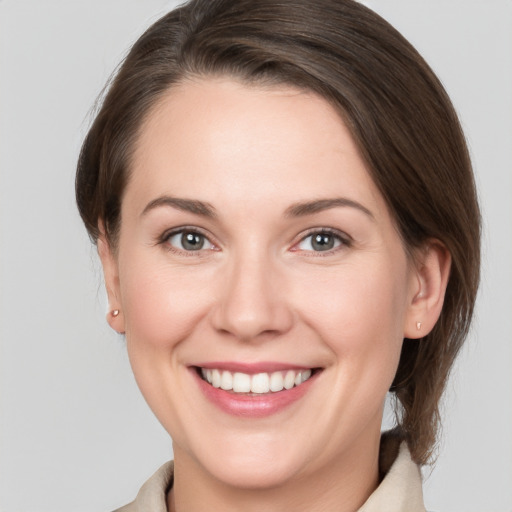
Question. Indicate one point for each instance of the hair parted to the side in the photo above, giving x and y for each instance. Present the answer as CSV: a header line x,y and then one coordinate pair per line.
x,y
396,109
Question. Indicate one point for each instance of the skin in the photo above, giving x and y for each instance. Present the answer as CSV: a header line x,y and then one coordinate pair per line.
x,y
258,291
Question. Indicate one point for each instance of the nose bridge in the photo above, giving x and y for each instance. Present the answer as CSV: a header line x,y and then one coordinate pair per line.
x,y
252,302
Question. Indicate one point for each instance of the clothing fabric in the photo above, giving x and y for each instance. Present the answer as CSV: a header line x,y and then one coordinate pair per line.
x,y
399,491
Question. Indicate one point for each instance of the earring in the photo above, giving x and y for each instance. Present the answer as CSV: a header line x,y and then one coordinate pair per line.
x,y
115,312
418,326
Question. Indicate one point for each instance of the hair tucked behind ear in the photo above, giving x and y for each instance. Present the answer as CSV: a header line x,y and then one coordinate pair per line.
x,y
398,113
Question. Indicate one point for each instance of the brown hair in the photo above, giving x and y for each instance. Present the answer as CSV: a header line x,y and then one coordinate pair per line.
x,y
398,113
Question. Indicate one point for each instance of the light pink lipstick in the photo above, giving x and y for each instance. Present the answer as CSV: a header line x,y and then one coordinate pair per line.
x,y
288,383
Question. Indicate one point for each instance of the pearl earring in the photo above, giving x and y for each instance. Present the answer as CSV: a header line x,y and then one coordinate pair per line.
x,y
115,312
418,326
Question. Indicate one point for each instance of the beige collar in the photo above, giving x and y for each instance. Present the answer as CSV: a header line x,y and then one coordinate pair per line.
x,y
399,491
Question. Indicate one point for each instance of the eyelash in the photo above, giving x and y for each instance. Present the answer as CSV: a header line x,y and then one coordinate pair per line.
x,y
343,240
164,240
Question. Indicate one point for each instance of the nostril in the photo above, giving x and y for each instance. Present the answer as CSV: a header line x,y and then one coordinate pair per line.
x,y
252,320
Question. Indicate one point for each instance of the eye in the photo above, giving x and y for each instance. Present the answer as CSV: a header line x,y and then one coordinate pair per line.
x,y
188,240
321,241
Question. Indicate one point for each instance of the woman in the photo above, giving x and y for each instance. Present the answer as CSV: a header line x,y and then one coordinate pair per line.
x,y
285,211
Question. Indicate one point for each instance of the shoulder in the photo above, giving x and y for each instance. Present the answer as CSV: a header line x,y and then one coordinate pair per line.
x,y
152,495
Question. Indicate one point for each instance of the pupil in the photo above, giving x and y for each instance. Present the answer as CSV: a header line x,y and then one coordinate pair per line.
x,y
192,241
323,242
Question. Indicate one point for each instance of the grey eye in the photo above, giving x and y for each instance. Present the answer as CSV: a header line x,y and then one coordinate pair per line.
x,y
320,241
189,241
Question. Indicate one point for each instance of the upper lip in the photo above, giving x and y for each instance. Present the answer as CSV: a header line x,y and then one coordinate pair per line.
x,y
252,368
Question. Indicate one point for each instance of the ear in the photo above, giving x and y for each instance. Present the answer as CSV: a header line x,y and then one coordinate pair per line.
x,y
115,316
430,273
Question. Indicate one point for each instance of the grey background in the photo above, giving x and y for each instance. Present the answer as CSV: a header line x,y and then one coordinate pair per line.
x,y
75,434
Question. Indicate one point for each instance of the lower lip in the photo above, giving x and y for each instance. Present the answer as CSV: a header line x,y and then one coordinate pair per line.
x,y
253,406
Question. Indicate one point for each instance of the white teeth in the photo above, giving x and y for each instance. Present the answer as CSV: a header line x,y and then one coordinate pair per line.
x,y
289,379
259,383
216,378
305,375
276,382
226,381
241,383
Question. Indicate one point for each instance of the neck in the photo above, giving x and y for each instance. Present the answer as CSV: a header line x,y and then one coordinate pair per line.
x,y
343,486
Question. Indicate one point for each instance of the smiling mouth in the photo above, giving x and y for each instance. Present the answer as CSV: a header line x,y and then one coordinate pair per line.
x,y
258,383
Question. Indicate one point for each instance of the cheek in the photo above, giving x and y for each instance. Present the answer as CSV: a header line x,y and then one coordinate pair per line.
x,y
359,311
161,306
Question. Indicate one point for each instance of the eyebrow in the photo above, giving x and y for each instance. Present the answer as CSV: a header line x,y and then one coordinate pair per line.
x,y
186,205
295,210
319,205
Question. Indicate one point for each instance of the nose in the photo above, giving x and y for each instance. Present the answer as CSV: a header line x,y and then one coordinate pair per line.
x,y
253,303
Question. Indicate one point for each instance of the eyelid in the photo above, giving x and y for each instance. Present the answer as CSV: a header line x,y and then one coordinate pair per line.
x,y
166,235
346,240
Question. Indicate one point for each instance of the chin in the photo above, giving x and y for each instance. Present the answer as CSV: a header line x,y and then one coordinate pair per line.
x,y
252,465
256,472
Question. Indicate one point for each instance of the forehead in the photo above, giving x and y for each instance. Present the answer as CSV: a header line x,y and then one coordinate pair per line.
x,y
222,140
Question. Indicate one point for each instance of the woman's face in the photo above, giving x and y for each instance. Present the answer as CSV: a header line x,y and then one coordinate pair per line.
x,y
256,252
